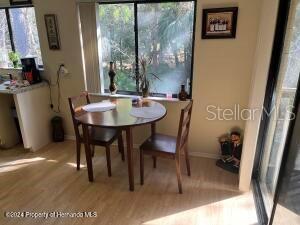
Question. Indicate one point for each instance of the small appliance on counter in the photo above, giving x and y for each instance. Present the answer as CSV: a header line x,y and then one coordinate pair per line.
x,y
30,70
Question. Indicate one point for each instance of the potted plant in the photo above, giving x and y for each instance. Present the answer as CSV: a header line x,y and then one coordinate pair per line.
x,y
14,58
144,77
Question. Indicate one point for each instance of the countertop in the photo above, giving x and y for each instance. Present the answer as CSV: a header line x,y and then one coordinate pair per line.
x,y
3,89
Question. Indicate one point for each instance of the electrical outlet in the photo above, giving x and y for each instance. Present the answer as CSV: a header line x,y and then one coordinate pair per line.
x,y
63,71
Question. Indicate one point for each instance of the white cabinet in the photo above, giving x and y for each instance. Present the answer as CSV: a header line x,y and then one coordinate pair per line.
x,y
8,130
34,115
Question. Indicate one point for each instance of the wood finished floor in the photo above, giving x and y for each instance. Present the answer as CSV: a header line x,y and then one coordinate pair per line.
x,y
47,181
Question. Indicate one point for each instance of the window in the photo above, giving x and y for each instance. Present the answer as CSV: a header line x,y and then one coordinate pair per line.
x,y
162,33
5,45
18,33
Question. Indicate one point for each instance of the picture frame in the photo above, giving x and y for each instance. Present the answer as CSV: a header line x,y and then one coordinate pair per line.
x,y
20,2
218,23
52,31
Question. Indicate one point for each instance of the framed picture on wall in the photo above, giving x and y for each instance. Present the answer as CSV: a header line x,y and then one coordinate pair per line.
x,y
219,23
20,2
52,31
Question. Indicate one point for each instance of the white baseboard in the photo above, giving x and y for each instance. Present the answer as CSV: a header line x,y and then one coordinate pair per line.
x,y
70,137
204,155
136,146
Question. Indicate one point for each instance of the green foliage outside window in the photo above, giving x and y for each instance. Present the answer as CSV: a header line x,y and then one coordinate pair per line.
x,y
165,33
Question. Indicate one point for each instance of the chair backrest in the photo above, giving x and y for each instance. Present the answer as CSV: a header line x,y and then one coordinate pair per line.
x,y
76,104
184,127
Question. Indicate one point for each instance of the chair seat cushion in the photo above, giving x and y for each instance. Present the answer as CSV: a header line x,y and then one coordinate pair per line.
x,y
160,143
105,135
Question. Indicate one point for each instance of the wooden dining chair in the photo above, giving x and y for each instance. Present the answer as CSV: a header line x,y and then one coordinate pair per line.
x,y
160,145
97,136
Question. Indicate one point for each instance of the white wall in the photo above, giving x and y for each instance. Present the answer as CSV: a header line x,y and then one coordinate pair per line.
x,y
222,73
258,87
70,53
8,130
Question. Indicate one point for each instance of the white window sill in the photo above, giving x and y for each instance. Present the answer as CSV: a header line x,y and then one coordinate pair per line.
x,y
11,68
17,69
160,99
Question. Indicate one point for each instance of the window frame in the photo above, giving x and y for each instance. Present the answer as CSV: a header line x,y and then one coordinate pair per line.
x,y
8,19
136,38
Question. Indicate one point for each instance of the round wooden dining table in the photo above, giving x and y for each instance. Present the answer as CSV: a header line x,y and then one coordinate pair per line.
x,y
122,118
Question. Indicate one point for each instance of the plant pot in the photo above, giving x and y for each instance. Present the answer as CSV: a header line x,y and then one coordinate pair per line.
x,y
15,64
112,74
182,94
112,87
145,92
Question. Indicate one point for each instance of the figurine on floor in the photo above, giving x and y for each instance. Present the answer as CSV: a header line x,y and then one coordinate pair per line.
x,y
231,152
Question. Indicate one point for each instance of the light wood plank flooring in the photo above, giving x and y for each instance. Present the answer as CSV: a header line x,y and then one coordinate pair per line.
x,y
47,181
